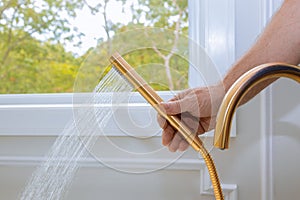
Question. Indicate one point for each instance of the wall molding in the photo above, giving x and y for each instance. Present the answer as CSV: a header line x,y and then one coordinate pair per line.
x,y
267,9
180,164
229,190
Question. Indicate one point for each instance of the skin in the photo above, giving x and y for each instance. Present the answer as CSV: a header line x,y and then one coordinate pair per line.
x,y
198,107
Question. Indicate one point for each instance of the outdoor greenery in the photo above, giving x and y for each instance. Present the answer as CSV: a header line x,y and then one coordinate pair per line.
x,y
33,35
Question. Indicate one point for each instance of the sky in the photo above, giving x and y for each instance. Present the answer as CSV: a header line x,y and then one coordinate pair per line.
x,y
92,25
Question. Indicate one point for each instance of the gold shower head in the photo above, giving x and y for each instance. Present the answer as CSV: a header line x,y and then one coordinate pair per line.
x,y
153,98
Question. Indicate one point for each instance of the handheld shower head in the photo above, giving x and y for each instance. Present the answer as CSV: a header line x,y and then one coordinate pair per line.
x,y
151,96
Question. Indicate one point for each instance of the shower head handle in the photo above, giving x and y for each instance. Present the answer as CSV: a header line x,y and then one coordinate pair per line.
x,y
154,99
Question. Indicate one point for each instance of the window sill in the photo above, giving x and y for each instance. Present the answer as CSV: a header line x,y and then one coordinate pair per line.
x,y
48,114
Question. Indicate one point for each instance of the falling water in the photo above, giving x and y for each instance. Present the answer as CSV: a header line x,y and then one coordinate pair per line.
x,y
53,177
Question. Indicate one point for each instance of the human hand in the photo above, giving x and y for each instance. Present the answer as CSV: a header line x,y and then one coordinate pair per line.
x,y
197,108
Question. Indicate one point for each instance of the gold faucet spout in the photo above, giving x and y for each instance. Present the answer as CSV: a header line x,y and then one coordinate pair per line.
x,y
240,88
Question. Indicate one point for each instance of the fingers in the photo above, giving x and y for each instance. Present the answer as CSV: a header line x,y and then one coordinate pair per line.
x,y
186,101
173,140
181,94
196,108
177,106
162,122
207,124
178,143
200,102
168,135
183,145
172,107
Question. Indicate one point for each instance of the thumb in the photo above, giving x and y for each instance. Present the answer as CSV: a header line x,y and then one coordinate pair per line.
x,y
172,107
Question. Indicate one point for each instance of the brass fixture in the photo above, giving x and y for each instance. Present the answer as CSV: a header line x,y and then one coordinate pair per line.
x,y
240,88
151,96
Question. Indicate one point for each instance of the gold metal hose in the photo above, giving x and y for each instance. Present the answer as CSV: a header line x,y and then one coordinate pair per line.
x,y
154,99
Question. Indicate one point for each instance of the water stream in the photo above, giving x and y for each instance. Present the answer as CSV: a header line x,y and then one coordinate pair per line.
x,y
53,177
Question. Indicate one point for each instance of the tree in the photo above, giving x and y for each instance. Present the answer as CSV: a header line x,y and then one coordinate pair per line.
x,y
158,17
171,16
33,34
39,67
44,19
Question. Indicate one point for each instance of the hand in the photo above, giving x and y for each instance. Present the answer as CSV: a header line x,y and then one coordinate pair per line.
x,y
197,108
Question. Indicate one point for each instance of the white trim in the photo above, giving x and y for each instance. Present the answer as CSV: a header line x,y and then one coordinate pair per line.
x,y
229,190
48,114
121,163
212,40
266,146
267,9
210,59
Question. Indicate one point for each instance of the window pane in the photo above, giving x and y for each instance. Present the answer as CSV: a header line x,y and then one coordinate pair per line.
x,y
49,46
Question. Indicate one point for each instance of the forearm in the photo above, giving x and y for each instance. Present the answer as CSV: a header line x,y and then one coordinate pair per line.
x,y
280,42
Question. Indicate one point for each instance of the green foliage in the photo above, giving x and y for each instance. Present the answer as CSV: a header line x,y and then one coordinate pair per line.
x,y
163,13
33,34
37,67
135,45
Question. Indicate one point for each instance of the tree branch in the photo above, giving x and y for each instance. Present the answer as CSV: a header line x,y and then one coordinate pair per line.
x,y
4,8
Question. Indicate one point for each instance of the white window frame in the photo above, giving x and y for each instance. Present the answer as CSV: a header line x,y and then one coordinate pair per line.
x,y
212,29
48,114
214,34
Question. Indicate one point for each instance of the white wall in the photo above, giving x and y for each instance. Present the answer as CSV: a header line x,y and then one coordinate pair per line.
x,y
142,169
262,162
263,159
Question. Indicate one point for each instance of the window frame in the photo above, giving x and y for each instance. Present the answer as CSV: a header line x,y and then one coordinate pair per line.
x,y
48,114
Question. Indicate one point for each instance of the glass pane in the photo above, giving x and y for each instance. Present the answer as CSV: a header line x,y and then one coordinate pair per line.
x,y
48,46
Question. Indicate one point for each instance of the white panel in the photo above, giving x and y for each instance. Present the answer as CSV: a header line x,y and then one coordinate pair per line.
x,y
267,9
211,42
286,140
211,32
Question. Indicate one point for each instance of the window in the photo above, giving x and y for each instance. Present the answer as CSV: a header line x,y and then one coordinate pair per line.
x,y
212,40
47,46
38,57
45,51
44,65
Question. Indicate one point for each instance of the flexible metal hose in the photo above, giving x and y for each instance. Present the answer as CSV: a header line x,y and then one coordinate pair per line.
x,y
212,173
